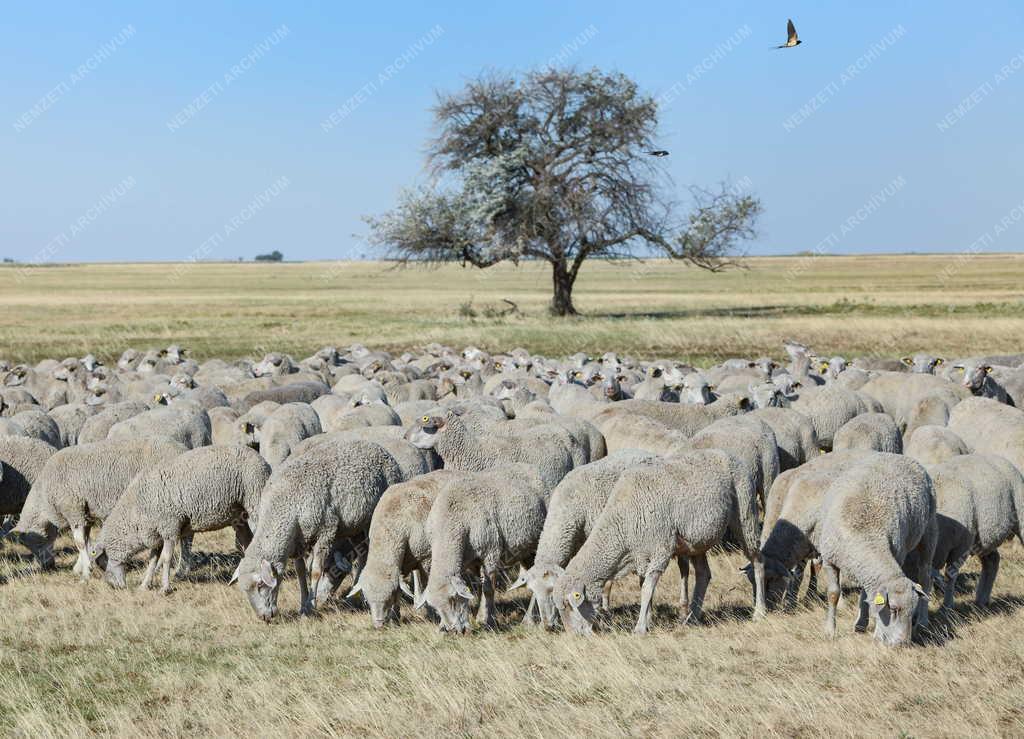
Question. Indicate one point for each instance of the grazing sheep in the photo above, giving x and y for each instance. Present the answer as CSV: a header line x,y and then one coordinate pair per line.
x,y
624,431
185,423
316,498
789,537
574,507
547,447
979,503
97,427
203,489
78,488
869,431
21,461
399,544
680,507
374,413
480,522
283,429
224,426
990,427
878,529
931,445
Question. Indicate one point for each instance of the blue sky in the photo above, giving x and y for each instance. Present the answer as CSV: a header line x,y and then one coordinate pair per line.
x,y
104,161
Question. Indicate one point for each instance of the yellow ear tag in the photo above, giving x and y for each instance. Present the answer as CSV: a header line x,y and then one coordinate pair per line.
x,y
426,419
577,596
879,600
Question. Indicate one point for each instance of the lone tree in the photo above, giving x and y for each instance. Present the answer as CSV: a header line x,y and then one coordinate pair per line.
x,y
559,166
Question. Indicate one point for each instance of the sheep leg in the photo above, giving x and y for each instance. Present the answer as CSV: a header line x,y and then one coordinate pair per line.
x,y
184,557
147,577
316,570
82,564
606,596
305,606
760,608
683,563
812,594
832,580
863,611
793,588
418,578
643,622
989,570
485,616
528,619
165,560
702,577
949,584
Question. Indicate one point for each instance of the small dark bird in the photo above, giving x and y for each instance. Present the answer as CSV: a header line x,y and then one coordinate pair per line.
x,y
791,39
658,153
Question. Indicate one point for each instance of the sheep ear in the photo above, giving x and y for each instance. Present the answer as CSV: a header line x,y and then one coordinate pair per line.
x,y
356,590
418,604
920,592
908,361
460,589
234,575
939,361
406,591
267,574
987,369
879,599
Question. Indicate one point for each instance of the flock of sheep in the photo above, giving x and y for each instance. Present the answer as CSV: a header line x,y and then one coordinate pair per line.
x,y
437,474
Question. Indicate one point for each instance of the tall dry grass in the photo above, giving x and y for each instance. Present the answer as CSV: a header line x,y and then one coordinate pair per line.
x,y
79,659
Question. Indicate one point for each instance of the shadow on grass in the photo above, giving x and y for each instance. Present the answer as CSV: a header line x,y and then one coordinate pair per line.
x,y
945,626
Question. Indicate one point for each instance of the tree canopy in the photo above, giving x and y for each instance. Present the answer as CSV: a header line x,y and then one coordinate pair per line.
x,y
559,166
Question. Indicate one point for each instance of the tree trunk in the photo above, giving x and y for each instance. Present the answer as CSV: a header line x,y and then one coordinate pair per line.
x,y
561,301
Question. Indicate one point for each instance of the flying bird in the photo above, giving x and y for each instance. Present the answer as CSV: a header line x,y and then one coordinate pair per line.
x,y
791,39
658,153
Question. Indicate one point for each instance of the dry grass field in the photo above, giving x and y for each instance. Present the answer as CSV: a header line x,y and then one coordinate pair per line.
x,y
882,305
79,658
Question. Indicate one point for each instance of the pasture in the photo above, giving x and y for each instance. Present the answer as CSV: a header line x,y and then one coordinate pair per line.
x,y
885,305
80,658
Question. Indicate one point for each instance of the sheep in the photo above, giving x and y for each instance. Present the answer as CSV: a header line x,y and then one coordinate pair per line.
x,y
21,461
573,509
186,423
481,521
931,445
70,419
687,419
794,434
901,393
830,406
284,429
364,414
878,528
991,427
203,489
932,409
977,377
871,431
751,443
224,426
78,488
547,447
923,364
97,427
623,431
36,424
296,392
679,507
789,536
979,503
398,544
411,460
323,494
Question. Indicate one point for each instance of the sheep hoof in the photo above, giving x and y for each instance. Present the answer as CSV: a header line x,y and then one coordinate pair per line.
x,y
760,614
